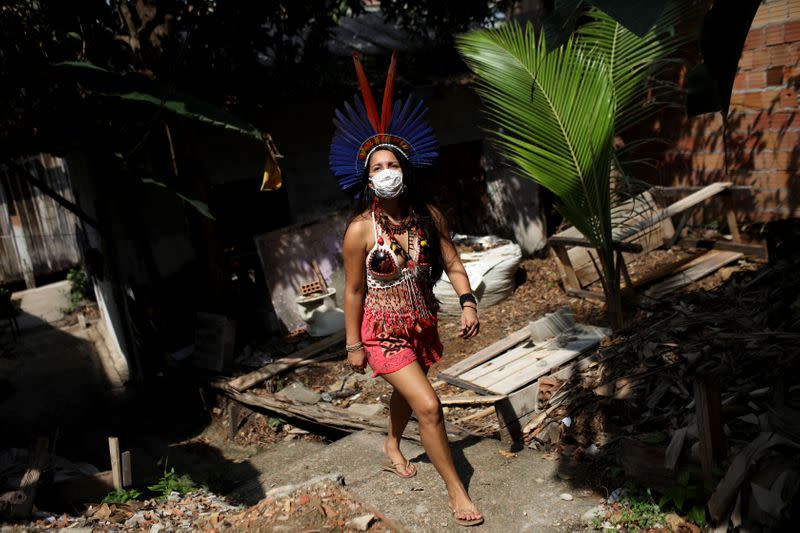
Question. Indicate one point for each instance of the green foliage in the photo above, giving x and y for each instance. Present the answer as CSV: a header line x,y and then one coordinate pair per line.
x,y
153,97
171,482
697,515
689,495
638,514
80,285
122,496
557,113
276,424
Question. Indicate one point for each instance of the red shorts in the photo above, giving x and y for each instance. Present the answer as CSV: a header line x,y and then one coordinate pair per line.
x,y
389,353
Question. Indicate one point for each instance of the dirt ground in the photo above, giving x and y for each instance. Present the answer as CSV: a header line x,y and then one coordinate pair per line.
x,y
538,292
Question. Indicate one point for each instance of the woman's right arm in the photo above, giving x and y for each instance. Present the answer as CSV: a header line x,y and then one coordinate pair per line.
x,y
355,256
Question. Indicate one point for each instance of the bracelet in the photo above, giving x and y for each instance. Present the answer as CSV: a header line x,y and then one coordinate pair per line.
x,y
468,297
353,347
475,307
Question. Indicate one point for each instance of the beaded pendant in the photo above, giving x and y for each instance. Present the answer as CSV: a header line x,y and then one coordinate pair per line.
x,y
382,265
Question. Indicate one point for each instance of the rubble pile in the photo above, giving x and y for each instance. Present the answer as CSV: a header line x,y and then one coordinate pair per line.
x,y
324,506
708,380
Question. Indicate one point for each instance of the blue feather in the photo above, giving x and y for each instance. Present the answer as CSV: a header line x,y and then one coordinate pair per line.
x,y
353,129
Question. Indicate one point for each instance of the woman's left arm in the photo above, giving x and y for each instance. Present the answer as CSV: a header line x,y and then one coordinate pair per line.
x,y
457,275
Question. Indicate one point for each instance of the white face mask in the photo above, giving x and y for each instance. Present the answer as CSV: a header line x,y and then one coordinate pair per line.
x,y
388,183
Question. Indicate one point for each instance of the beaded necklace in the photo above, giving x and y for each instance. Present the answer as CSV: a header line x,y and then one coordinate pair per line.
x,y
408,224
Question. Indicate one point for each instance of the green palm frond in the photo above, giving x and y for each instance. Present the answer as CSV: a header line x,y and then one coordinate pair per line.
x,y
554,114
634,62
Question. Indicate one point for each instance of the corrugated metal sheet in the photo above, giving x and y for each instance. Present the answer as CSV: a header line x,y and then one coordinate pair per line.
x,y
37,236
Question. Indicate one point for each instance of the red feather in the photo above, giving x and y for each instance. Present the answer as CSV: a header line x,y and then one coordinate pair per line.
x,y
366,93
388,94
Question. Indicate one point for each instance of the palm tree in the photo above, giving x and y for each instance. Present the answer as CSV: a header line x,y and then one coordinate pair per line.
x,y
557,114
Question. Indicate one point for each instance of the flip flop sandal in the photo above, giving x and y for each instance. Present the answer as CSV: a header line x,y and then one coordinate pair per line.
x,y
393,468
465,521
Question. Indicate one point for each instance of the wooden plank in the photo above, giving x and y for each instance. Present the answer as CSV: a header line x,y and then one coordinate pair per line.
x,y
458,382
234,409
539,368
755,250
674,449
471,400
116,464
649,239
648,231
248,380
583,293
692,271
708,411
487,353
675,208
322,414
127,473
628,213
582,242
565,268
730,218
577,340
515,411
501,361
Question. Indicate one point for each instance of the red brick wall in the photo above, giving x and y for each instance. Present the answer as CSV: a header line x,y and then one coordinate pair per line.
x,y
764,120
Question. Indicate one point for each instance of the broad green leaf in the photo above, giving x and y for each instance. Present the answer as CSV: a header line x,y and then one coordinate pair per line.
x,y
634,61
201,207
554,114
140,92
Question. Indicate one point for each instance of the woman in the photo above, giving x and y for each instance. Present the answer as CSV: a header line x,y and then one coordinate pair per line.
x,y
395,247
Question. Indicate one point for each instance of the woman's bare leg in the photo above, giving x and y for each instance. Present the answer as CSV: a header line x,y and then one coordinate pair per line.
x,y
412,383
399,415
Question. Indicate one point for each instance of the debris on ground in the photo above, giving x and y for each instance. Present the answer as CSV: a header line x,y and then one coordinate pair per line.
x,y
326,506
699,396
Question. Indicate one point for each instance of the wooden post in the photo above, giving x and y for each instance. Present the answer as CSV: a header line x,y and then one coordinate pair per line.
x,y
569,278
233,419
624,269
127,473
116,466
515,411
708,409
730,217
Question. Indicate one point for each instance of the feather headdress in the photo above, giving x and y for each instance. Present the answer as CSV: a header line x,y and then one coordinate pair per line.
x,y
360,130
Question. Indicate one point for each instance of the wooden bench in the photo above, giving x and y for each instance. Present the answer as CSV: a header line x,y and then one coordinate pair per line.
x,y
640,227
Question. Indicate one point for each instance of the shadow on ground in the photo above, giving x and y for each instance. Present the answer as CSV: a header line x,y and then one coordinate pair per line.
x,y
54,386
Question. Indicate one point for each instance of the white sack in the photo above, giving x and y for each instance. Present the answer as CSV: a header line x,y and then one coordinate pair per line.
x,y
490,272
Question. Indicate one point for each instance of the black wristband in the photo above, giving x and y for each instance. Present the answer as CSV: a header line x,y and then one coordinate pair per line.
x,y
468,297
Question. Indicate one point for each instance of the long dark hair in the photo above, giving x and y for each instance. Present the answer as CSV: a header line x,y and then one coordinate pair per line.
x,y
415,195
